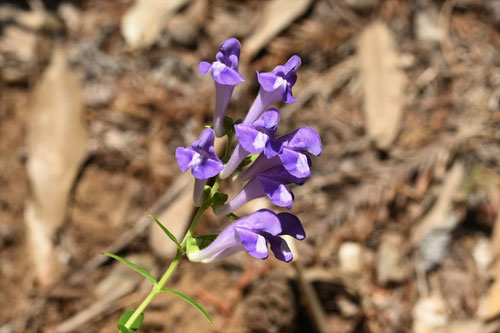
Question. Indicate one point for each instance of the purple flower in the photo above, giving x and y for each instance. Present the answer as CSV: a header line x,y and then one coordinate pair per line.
x,y
226,76
274,86
201,158
252,139
290,151
271,183
252,234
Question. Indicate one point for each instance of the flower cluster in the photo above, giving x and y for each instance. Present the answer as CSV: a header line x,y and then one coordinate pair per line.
x,y
268,164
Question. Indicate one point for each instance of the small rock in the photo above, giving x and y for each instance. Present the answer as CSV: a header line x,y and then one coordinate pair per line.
x,y
427,27
347,308
482,254
390,260
350,257
429,313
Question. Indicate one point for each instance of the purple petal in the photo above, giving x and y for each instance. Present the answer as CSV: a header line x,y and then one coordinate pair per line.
x,y
293,64
290,225
280,174
291,79
279,70
273,148
208,168
233,62
205,141
268,81
252,190
230,47
223,74
238,155
277,192
254,243
250,139
287,95
204,67
268,121
184,157
295,163
280,248
303,139
226,244
263,220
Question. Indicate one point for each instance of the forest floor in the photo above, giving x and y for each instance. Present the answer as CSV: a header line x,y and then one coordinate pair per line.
x,y
401,214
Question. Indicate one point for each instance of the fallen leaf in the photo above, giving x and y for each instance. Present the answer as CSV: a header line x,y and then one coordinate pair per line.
x,y
439,214
492,308
276,16
432,234
145,19
56,147
383,83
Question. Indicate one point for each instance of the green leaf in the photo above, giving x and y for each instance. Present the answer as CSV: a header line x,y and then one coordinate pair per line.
x,y
195,244
190,301
166,231
218,199
136,268
134,327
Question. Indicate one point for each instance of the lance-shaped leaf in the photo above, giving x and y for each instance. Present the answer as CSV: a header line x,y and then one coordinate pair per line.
x,y
190,301
136,268
166,231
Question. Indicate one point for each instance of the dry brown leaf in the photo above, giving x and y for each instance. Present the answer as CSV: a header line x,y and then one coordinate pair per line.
x,y
144,20
383,83
438,216
492,308
56,147
277,15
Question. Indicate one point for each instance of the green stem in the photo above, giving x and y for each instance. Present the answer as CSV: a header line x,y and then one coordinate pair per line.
x,y
157,288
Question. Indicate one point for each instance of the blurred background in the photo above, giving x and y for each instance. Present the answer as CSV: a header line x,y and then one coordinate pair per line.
x,y
402,213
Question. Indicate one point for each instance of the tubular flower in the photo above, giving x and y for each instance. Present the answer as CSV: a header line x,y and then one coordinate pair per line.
x,y
226,76
253,139
290,151
201,158
271,183
274,86
253,233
